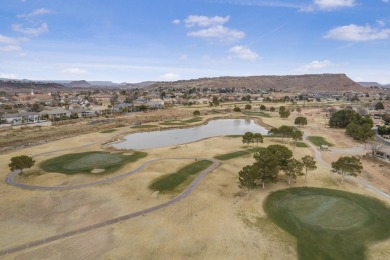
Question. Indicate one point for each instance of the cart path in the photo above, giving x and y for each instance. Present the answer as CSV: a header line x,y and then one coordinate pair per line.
x,y
352,150
112,221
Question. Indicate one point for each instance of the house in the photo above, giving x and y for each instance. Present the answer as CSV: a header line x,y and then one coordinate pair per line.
x,y
55,113
384,153
324,147
21,118
123,107
82,113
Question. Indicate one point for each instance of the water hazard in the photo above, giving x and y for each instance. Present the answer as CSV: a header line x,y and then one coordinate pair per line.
x,y
157,139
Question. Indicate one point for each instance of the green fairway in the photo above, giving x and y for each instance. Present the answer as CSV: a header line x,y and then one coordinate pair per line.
x,y
259,113
144,126
301,144
109,131
232,155
176,181
318,141
86,162
329,224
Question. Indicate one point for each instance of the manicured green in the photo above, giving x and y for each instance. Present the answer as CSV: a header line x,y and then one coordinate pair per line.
x,y
167,123
259,113
85,162
329,224
145,126
301,144
176,181
233,155
193,120
109,131
318,141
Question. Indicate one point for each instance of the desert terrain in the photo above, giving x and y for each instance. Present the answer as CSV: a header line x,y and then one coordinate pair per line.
x,y
217,220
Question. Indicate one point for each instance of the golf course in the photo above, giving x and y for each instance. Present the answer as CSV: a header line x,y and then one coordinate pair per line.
x,y
329,224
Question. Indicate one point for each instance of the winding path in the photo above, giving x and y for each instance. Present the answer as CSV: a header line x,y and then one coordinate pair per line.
x,y
112,221
353,150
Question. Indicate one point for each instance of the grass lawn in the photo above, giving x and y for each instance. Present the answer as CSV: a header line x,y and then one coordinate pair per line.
x,y
145,126
257,113
318,141
193,120
329,224
178,180
173,123
233,155
109,131
301,144
85,162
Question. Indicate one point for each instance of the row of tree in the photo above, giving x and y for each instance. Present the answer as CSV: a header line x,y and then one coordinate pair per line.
x,y
278,158
250,137
357,126
270,162
286,132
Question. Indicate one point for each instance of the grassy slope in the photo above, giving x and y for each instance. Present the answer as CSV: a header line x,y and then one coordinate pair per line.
x,y
176,181
318,141
317,242
58,164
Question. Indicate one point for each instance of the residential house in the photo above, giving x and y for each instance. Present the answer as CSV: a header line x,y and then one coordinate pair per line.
x,y
21,118
56,113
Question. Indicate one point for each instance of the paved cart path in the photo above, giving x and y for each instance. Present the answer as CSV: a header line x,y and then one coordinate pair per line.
x,y
352,150
112,221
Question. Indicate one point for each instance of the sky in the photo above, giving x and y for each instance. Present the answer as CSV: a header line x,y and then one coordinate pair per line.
x,y
166,40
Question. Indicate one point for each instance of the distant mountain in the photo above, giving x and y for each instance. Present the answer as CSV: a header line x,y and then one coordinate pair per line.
x,y
373,84
78,84
295,83
26,86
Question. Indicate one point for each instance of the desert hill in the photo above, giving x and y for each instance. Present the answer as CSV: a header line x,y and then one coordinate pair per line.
x,y
294,83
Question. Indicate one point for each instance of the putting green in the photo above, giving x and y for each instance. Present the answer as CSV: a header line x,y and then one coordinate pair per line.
x,y
89,162
329,224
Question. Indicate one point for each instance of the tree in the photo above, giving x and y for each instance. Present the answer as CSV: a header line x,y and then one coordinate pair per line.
x,y
282,108
248,107
347,165
284,114
379,105
272,109
299,110
196,113
282,153
309,164
247,138
296,135
342,118
300,121
263,170
215,101
21,162
258,138
262,107
237,109
375,145
293,169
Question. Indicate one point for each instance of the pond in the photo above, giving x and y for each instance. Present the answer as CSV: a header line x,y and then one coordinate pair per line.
x,y
157,139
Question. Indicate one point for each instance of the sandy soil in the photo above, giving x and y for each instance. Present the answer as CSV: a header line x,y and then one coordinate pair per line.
x,y
216,221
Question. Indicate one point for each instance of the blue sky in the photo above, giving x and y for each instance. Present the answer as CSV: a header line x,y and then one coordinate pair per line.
x,y
139,40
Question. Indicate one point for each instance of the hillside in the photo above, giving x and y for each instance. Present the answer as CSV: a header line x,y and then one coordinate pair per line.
x,y
27,86
294,83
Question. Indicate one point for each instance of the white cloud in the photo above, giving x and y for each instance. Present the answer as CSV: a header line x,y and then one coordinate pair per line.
x,y
8,75
357,33
176,21
381,23
170,76
35,13
74,71
385,1
219,32
7,40
333,4
205,21
184,57
10,48
244,53
317,65
30,31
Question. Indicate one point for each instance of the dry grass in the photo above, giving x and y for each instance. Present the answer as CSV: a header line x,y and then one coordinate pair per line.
x,y
216,221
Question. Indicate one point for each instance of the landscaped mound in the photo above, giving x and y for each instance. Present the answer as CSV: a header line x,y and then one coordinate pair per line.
x,y
89,162
329,224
